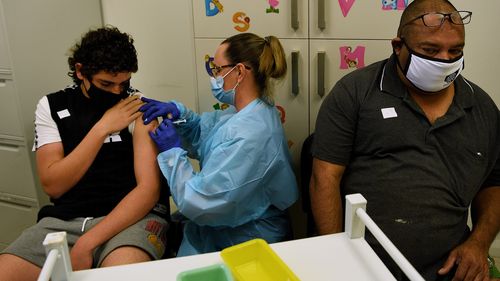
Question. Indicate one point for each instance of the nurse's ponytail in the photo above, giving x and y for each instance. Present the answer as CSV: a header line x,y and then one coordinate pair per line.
x,y
272,60
265,56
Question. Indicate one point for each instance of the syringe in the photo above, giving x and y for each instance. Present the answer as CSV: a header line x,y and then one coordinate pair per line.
x,y
179,121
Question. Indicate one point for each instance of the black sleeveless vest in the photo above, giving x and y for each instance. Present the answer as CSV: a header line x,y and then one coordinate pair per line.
x,y
111,175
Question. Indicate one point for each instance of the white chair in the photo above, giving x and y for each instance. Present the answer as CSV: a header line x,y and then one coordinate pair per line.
x,y
356,219
57,266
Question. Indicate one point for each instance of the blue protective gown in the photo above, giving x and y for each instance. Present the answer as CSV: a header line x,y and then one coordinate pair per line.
x,y
245,183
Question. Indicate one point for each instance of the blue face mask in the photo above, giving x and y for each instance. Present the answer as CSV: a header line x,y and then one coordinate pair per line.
x,y
218,91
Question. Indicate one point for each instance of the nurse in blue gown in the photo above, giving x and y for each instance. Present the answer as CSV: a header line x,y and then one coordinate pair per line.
x,y
246,182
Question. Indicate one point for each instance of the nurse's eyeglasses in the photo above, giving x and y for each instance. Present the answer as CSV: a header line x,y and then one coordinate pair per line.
x,y
437,19
217,69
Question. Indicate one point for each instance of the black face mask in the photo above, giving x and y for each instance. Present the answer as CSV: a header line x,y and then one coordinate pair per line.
x,y
104,99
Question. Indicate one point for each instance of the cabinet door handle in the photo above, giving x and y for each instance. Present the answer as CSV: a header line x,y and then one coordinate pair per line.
x,y
8,145
11,148
321,14
321,73
3,83
294,15
295,73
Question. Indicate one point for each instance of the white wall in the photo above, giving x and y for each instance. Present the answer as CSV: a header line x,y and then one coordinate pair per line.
x,y
40,34
163,36
482,41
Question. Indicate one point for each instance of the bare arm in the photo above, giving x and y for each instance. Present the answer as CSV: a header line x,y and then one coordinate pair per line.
x,y
132,207
59,173
486,216
324,190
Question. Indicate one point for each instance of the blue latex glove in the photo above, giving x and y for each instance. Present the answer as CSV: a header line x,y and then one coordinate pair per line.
x,y
165,136
153,109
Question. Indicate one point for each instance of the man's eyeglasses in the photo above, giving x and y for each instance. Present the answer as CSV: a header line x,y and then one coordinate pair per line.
x,y
217,69
437,19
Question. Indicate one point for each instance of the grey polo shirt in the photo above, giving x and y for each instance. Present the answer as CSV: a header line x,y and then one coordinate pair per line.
x,y
418,178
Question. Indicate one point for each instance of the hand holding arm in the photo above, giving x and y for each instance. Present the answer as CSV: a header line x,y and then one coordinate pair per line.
x,y
121,115
59,173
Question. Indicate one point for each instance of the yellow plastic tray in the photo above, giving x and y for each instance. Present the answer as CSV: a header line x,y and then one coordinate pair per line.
x,y
254,260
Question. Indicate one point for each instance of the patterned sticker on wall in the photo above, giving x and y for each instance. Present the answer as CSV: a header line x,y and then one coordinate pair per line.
x,y
273,7
242,21
213,7
345,6
219,106
282,114
209,63
350,59
394,4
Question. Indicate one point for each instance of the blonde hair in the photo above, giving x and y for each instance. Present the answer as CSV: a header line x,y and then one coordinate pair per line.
x,y
265,56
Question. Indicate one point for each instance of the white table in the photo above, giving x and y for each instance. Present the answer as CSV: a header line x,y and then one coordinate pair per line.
x,y
329,257
343,256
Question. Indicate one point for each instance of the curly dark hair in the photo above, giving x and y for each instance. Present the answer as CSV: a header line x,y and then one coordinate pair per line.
x,y
104,49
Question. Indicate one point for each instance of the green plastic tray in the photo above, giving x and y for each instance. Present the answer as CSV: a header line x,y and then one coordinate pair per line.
x,y
216,272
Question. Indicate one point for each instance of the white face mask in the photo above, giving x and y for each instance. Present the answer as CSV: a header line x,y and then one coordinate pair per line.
x,y
429,74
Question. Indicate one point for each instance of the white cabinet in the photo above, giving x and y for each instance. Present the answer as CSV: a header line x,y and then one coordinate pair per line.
x,y
288,21
350,19
221,19
323,41
18,197
9,113
333,59
293,103
346,35
10,118
16,179
14,219
4,52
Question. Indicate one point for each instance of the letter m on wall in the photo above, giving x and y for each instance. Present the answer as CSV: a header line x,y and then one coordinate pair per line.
x,y
349,58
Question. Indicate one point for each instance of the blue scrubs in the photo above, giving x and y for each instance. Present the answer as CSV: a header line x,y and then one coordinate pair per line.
x,y
245,183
